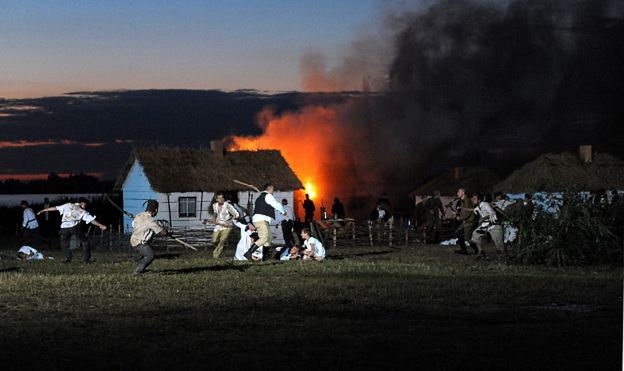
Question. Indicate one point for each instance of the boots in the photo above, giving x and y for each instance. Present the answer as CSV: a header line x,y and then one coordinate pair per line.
x,y
251,250
474,247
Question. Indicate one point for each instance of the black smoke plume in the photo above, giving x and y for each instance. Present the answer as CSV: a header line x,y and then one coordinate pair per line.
x,y
480,83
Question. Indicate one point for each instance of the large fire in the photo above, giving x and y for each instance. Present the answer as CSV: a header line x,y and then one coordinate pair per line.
x,y
306,139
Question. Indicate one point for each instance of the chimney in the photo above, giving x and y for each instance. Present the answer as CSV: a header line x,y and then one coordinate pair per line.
x,y
217,147
456,173
585,153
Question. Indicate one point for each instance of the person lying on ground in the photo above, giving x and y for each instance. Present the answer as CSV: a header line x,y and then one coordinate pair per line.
x,y
29,253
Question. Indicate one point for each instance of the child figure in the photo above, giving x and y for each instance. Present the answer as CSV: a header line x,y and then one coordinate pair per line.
x,y
314,249
248,237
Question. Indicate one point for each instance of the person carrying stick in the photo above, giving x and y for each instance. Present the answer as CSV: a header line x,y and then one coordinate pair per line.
x,y
264,212
144,227
71,216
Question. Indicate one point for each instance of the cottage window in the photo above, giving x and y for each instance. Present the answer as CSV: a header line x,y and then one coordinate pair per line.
x,y
187,207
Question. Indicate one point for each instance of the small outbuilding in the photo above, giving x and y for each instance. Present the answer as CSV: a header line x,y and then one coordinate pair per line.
x,y
561,172
184,181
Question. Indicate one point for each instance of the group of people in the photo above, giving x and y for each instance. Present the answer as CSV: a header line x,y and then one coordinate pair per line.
x,y
255,231
71,216
480,217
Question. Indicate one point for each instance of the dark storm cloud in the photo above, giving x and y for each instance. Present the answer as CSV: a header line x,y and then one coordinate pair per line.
x,y
120,120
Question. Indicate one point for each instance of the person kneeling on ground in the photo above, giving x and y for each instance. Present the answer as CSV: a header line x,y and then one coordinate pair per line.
x,y
144,227
314,249
28,253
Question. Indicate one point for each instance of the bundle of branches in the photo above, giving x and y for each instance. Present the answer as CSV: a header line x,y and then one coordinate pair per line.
x,y
568,230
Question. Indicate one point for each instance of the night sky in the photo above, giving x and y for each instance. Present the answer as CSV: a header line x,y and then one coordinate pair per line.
x,y
58,46
489,83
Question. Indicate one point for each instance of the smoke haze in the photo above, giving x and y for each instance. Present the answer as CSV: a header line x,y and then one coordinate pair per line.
x,y
464,83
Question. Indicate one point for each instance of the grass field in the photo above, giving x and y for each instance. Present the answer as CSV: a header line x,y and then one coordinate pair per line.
x,y
412,308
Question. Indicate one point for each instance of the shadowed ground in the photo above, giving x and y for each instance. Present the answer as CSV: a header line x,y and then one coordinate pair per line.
x,y
418,307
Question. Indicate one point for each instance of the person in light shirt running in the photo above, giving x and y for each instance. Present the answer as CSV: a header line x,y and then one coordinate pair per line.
x,y
264,212
71,216
144,227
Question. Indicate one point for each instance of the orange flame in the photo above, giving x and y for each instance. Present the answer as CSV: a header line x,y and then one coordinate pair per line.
x,y
306,139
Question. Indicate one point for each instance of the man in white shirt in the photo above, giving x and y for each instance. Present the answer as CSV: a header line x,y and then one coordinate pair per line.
x,y
286,222
223,215
71,216
488,223
264,212
500,204
30,226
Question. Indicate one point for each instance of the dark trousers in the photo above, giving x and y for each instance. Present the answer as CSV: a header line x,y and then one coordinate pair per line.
x,y
309,216
434,223
287,231
147,257
464,234
30,236
66,234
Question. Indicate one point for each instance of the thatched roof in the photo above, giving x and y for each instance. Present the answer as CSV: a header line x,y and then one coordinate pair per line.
x,y
188,170
473,179
566,171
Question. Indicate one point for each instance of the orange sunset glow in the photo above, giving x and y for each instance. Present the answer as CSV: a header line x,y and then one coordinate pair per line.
x,y
42,176
26,143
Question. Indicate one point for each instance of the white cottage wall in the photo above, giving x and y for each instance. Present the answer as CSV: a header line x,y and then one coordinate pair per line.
x,y
170,209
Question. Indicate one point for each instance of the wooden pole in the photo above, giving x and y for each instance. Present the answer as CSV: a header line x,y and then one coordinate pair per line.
x,y
353,232
390,226
370,232
334,233
201,204
406,237
169,207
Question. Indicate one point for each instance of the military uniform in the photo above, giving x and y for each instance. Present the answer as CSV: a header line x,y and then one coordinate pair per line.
x,y
467,218
435,211
144,227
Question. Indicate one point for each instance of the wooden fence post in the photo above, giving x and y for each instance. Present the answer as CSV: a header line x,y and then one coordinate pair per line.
x,y
390,227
